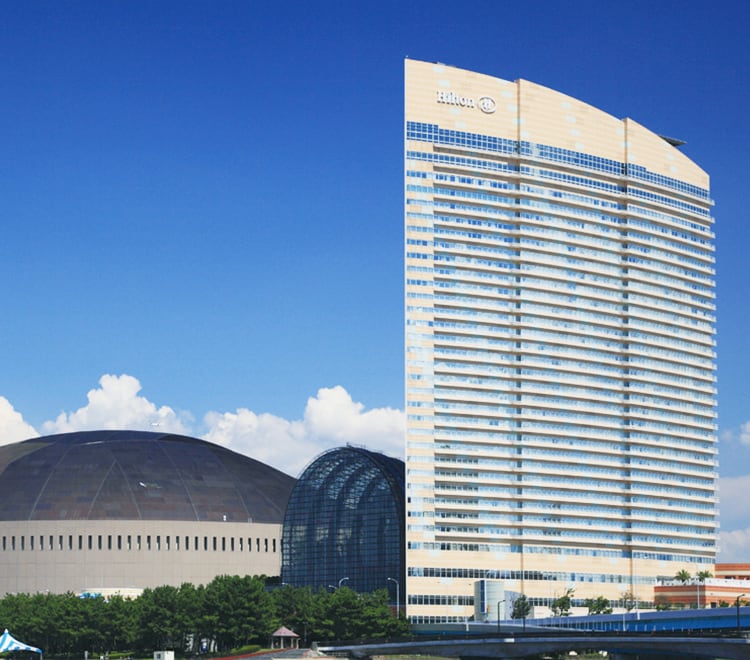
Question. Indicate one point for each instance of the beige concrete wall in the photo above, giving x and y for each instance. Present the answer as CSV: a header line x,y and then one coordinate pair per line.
x,y
425,81
649,150
58,568
528,111
551,118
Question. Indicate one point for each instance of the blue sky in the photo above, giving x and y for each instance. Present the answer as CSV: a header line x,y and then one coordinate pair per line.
x,y
201,202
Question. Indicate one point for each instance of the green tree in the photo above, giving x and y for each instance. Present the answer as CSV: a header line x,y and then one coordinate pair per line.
x,y
598,605
378,618
157,620
207,619
189,606
295,608
521,607
662,603
25,617
703,575
561,605
346,614
230,612
683,576
629,601
346,611
118,624
321,627
68,627
242,611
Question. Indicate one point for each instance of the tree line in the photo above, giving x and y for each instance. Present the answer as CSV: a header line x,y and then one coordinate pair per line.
x,y
229,613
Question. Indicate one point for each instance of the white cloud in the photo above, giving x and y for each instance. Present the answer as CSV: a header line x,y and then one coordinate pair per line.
x,y
733,502
333,416
272,440
331,419
745,433
116,405
734,546
13,428
734,537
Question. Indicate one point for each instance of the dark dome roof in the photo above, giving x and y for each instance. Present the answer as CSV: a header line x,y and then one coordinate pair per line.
x,y
136,475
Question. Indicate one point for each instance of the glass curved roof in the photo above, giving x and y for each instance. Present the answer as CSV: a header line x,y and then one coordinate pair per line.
x,y
344,522
137,475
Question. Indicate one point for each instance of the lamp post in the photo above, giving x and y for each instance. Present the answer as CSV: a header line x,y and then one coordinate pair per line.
x,y
498,613
698,594
398,596
737,603
342,580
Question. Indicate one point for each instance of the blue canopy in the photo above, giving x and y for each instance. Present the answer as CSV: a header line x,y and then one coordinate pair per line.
x,y
10,643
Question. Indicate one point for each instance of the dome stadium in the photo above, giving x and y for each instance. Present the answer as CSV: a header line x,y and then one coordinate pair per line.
x,y
119,511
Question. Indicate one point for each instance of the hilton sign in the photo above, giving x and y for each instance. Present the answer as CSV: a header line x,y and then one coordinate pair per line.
x,y
485,103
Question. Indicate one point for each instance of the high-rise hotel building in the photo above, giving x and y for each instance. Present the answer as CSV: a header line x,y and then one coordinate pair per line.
x,y
560,352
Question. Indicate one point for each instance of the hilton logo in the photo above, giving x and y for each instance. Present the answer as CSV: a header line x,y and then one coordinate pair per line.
x,y
486,103
451,98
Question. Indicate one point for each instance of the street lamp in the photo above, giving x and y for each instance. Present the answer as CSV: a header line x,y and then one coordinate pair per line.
x,y
498,613
342,580
737,603
398,595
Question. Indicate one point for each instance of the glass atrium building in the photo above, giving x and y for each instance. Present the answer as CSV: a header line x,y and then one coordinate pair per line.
x,y
344,524
560,351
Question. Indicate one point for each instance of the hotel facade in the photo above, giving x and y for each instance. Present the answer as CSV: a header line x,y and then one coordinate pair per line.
x,y
560,349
